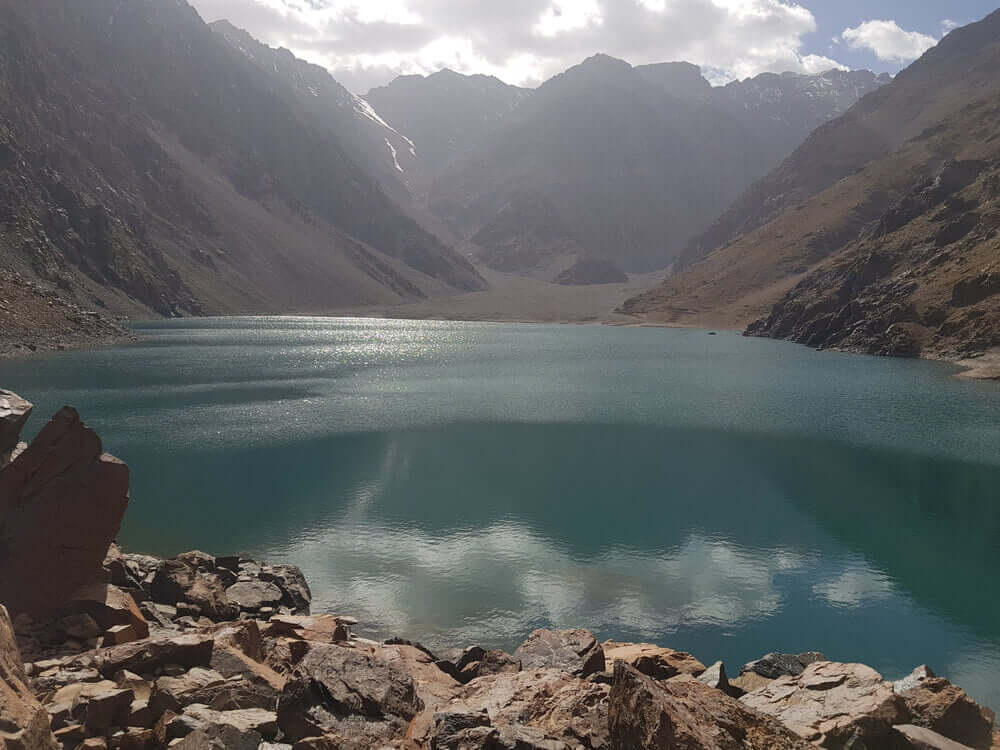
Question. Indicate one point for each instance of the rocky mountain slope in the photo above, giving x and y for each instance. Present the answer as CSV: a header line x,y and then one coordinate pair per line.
x,y
110,650
373,144
634,161
880,233
147,166
445,113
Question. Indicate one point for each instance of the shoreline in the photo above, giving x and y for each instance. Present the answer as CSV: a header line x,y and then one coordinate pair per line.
x,y
983,368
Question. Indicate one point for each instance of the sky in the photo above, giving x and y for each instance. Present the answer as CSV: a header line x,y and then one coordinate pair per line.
x,y
367,43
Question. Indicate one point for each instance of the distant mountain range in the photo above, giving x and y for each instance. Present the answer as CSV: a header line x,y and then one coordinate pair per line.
x,y
881,233
628,162
153,164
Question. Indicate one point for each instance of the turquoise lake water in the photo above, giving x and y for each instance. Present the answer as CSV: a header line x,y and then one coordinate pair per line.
x,y
465,483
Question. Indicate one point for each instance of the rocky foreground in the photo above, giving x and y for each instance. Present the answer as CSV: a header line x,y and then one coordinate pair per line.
x,y
100,648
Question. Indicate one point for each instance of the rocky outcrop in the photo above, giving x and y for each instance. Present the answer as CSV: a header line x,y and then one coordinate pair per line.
x,y
937,704
24,724
14,412
834,705
574,651
653,661
61,504
645,714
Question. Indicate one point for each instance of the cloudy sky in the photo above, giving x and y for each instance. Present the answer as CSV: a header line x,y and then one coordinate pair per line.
x,y
366,43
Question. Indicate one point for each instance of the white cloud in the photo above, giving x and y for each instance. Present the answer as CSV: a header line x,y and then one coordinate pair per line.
x,y
888,40
949,25
367,42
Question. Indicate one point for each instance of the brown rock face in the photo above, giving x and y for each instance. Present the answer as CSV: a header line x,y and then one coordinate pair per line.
x,y
653,661
644,714
574,651
945,708
61,505
834,705
24,724
14,412
109,606
551,700
336,688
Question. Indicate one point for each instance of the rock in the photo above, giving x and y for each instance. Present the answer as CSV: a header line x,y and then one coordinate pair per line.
x,y
574,651
939,705
257,720
140,687
80,626
319,628
78,693
103,710
61,505
173,693
552,700
138,739
283,654
434,687
119,634
653,661
191,578
470,663
332,682
921,738
715,677
645,714
194,650
14,413
254,595
24,724
834,705
244,636
109,606
295,593
220,737
775,665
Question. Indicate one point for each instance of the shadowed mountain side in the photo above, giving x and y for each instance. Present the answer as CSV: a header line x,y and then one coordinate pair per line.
x,y
147,166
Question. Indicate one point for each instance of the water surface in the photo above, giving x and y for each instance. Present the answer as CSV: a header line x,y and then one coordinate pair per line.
x,y
465,482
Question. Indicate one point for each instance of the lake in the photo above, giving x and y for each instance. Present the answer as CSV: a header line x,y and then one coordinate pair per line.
x,y
462,483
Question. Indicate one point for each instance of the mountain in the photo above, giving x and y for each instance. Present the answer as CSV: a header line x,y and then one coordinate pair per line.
x,y
879,233
635,161
372,143
445,113
147,165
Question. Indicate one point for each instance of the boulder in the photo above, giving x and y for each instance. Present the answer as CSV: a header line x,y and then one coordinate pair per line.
x,y
109,606
646,714
335,682
254,595
80,626
467,664
295,593
14,413
574,651
319,628
24,724
143,657
264,723
939,705
220,737
109,708
653,661
552,700
61,505
776,665
173,693
715,677
191,578
434,687
922,738
834,705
